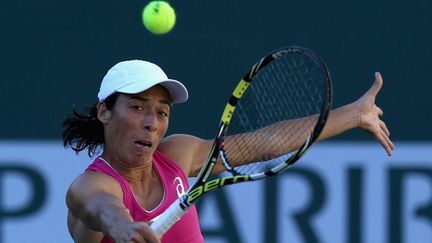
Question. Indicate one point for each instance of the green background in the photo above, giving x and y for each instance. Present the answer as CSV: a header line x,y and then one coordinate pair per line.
x,y
55,53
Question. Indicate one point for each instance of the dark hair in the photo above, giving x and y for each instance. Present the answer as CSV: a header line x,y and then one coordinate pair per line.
x,y
83,130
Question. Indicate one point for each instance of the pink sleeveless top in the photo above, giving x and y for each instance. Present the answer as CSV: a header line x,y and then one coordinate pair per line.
x,y
174,182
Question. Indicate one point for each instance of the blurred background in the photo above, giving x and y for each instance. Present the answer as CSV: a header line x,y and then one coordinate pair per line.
x,y
54,55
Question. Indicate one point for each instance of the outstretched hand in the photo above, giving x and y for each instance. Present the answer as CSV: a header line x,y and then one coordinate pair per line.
x,y
370,113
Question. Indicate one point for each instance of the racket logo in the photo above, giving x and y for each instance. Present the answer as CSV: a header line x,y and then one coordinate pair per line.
x,y
179,186
215,184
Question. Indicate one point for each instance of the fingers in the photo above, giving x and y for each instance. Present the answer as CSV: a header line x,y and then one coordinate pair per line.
x,y
378,79
387,144
141,233
377,84
148,234
383,126
380,111
372,122
383,137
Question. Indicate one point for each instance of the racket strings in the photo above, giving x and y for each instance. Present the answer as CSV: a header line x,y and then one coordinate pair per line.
x,y
287,89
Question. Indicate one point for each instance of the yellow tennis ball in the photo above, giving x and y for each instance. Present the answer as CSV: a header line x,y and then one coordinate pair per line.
x,y
158,17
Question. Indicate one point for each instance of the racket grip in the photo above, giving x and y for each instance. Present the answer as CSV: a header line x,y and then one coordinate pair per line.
x,y
168,218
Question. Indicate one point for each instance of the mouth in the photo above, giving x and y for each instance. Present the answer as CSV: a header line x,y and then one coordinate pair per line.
x,y
144,144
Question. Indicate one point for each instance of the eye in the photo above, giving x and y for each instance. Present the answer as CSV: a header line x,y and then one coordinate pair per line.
x,y
137,107
163,113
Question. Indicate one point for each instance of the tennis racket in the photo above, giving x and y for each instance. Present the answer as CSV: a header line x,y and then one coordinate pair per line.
x,y
276,112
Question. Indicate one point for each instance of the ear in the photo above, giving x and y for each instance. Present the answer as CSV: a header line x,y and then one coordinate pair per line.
x,y
103,114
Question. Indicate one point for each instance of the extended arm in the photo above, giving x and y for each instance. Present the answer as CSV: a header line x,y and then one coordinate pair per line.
x,y
363,113
96,201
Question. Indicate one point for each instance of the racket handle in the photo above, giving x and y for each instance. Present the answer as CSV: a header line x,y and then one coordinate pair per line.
x,y
168,218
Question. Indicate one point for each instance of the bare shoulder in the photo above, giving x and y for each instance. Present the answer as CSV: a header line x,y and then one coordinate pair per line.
x,y
92,183
187,150
94,178
81,198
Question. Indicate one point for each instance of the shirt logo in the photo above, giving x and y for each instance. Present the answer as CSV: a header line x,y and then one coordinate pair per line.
x,y
179,186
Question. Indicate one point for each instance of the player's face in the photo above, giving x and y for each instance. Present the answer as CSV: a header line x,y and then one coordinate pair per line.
x,y
137,124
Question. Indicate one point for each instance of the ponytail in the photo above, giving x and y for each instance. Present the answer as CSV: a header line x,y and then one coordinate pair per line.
x,y
83,130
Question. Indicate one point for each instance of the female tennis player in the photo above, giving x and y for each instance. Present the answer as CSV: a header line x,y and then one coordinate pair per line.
x,y
138,171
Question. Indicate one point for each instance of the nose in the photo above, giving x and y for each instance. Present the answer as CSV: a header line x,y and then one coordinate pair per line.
x,y
150,122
